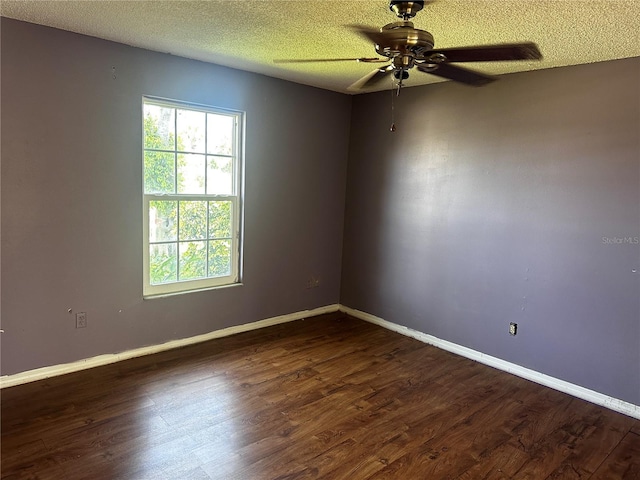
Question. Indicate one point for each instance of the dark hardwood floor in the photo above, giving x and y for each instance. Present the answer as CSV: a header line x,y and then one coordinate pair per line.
x,y
330,397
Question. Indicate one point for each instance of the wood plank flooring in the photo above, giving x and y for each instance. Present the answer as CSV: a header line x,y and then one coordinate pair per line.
x,y
325,398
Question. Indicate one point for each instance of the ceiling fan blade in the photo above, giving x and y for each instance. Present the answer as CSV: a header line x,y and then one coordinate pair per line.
x,y
372,79
491,53
372,34
312,60
459,74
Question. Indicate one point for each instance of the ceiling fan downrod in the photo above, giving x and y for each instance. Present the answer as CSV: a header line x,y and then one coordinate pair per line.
x,y
406,9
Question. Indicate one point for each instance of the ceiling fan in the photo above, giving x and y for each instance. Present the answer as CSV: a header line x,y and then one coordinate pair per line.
x,y
406,47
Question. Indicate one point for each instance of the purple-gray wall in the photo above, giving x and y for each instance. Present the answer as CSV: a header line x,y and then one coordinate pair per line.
x,y
516,202
72,200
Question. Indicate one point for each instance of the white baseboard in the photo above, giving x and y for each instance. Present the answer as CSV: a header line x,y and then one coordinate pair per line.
x,y
537,377
55,370
611,403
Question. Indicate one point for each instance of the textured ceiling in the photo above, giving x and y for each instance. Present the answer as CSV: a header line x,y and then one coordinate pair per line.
x,y
250,34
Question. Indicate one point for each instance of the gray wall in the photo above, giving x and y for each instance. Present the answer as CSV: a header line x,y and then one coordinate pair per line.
x,y
72,201
490,205
486,206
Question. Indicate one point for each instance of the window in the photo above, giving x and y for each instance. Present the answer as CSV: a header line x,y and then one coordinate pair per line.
x,y
192,202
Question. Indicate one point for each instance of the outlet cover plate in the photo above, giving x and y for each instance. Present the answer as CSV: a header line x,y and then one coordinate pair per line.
x,y
81,319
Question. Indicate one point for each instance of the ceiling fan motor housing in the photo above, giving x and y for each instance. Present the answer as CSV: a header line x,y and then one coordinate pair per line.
x,y
406,9
401,38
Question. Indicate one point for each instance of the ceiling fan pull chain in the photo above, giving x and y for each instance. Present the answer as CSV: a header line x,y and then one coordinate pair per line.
x,y
393,124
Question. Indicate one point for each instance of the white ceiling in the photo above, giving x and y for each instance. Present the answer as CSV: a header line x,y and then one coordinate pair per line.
x,y
250,34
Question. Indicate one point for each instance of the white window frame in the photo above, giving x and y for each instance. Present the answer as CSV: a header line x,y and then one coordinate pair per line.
x,y
234,278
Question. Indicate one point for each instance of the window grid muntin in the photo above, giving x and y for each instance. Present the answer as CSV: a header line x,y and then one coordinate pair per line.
x,y
208,199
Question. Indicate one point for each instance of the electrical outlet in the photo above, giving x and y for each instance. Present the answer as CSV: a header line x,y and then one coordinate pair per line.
x,y
513,328
81,319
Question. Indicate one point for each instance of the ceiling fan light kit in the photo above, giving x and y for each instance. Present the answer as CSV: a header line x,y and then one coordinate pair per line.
x,y
404,47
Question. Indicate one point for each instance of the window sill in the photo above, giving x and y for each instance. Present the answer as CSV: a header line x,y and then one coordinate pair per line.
x,y
184,292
